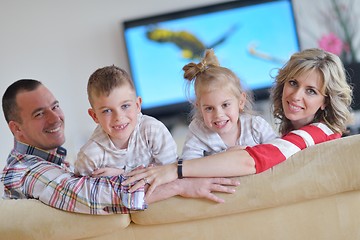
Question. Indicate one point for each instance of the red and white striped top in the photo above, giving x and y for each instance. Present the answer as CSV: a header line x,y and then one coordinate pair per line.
x,y
278,150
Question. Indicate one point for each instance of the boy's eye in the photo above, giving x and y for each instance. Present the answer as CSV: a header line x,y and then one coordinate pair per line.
x,y
125,106
106,111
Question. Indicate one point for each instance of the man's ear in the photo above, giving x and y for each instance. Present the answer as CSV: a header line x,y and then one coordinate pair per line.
x,y
92,114
14,128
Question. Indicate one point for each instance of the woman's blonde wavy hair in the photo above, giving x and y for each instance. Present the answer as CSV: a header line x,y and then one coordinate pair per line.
x,y
337,92
208,75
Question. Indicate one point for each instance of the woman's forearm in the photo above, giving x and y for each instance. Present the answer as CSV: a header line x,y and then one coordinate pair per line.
x,y
226,164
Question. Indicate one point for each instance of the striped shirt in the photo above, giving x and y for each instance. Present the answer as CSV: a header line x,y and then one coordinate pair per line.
x,y
34,173
150,143
201,141
280,149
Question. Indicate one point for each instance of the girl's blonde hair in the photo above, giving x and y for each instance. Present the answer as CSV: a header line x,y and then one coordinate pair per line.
x,y
208,75
337,92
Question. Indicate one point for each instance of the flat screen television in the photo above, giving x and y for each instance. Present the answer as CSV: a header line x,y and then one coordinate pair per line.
x,y
251,37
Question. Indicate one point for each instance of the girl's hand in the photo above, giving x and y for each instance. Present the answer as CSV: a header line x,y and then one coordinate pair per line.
x,y
235,148
154,176
107,171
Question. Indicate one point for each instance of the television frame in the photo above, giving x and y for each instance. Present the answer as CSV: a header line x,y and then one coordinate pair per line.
x,y
183,107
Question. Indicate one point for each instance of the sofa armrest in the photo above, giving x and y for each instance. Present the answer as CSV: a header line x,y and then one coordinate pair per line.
x,y
31,219
319,171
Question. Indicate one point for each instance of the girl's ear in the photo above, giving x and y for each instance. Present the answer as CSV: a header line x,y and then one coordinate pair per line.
x,y
242,101
92,114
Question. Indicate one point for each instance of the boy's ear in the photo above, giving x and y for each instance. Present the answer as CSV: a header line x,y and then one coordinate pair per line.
x,y
92,114
138,103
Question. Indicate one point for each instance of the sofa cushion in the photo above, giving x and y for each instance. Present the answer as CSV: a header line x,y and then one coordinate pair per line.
x,y
319,171
31,219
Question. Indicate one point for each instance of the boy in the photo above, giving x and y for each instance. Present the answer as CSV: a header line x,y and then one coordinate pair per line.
x,y
124,138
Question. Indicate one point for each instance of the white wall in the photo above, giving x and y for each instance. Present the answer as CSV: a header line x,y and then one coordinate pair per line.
x,y
62,42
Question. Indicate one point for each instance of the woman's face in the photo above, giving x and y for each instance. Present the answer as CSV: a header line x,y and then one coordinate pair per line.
x,y
302,98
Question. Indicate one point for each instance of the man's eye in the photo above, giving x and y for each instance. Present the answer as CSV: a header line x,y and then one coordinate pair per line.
x,y
39,115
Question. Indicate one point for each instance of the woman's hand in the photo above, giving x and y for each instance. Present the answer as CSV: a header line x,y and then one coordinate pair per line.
x,y
194,188
154,176
107,171
205,187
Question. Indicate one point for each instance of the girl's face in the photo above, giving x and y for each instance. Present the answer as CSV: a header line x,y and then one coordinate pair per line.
x,y
220,110
117,114
302,98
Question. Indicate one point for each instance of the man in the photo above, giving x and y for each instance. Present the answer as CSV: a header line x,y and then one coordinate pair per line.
x,y
36,166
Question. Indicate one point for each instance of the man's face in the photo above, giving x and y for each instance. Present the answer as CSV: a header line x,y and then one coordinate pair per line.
x,y
42,119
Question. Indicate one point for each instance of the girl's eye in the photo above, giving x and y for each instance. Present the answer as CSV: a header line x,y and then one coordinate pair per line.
x,y
208,109
226,105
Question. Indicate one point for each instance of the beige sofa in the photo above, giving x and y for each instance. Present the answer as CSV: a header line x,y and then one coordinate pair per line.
x,y
313,195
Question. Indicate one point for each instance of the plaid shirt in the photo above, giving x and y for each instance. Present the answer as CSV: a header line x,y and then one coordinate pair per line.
x,y
34,173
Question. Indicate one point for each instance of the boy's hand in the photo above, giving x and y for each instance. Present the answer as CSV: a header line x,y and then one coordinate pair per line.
x,y
107,172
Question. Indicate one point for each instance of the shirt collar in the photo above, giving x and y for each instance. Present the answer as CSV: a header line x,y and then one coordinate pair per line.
x,y
56,158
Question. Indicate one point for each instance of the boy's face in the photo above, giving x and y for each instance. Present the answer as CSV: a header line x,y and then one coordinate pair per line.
x,y
117,113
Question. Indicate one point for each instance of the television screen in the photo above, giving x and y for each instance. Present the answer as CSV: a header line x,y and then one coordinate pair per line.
x,y
252,38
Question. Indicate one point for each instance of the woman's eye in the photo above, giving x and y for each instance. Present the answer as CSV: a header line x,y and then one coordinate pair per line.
x,y
292,82
311,91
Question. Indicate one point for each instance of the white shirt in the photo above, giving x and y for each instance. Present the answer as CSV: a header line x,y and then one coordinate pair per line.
x,y
151,142
201,141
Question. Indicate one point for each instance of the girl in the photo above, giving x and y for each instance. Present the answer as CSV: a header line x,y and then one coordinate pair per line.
x,y
221,111
311,98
